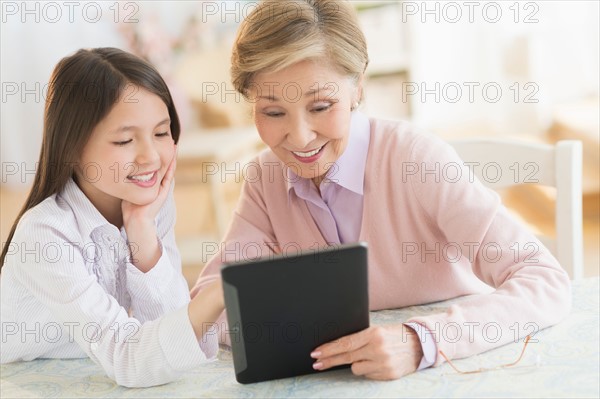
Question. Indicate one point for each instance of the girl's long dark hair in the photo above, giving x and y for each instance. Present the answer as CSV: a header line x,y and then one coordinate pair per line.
x,y
83,89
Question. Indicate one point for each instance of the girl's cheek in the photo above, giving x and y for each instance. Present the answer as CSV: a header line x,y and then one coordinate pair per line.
x,y
167,152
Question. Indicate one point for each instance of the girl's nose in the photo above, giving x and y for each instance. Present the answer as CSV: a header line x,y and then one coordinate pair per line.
x,y
146,153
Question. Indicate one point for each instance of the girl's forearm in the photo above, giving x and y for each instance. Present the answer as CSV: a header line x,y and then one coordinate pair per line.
x,y
206,307
143,245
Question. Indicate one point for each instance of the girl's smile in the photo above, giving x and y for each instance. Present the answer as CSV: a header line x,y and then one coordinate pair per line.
x,y
144,180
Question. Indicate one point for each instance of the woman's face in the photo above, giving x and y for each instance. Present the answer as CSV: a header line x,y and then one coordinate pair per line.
x,y
302,113
128,152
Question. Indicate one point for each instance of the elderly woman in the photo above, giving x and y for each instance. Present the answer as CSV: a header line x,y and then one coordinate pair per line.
x,y
332,175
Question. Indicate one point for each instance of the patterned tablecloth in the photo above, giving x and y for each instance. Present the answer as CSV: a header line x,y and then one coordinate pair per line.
x,y
564,363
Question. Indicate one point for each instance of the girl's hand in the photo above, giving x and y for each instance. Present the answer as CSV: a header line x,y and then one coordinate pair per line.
x,y
145,213
378,352
139,224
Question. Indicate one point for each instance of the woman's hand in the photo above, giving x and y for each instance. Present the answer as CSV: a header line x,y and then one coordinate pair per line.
x,y
378,352
139,224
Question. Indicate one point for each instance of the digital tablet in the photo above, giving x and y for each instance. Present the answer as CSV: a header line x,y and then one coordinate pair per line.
x,y
282,307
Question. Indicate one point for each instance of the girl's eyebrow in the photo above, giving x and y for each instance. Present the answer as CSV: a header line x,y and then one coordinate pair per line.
x,y
166,120
125,128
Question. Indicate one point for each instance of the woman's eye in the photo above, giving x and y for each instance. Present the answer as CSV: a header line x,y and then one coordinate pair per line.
x,y
164,134
122,143
321,107
273,114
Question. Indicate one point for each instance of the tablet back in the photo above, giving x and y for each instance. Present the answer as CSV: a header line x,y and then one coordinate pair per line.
x,y
281,308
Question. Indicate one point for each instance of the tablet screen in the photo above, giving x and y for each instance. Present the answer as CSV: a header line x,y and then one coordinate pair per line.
x,y
281,308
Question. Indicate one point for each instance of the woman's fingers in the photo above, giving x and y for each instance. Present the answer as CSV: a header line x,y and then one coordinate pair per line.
x,y
350,357
346,350
377,352
365,367
345,344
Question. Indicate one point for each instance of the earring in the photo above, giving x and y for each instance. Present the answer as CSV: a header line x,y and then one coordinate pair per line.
x,y
354,106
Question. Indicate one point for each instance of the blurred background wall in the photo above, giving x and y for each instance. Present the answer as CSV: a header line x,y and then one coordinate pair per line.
x,y
526,69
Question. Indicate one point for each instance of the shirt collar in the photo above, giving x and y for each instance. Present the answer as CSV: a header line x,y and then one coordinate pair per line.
x,y
349,170
87,216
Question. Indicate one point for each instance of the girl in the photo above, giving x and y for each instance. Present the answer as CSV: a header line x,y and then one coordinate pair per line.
x,y
90,267
332,175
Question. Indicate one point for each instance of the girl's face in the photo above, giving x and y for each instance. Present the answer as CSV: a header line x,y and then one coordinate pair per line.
x,y
302,113
128,153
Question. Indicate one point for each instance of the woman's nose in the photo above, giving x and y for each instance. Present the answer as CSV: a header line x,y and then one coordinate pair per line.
x,y
300,134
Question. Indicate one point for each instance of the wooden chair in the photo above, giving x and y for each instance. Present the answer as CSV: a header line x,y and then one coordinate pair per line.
x,y
500,163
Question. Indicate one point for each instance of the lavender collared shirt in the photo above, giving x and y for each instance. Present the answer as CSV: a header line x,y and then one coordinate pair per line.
x,y
337,209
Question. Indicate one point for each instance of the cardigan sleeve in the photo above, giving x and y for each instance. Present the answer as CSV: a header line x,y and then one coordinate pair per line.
x,y
532,291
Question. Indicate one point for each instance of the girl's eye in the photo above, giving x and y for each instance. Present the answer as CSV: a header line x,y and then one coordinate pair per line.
x,y
164,134
122,143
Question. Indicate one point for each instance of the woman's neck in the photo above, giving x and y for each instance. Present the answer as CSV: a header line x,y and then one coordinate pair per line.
x,y
317,180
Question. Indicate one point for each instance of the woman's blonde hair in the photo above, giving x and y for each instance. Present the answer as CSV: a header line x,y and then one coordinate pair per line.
x,y
279,33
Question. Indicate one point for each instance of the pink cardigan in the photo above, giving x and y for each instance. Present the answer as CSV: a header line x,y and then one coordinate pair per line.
x,y
434,233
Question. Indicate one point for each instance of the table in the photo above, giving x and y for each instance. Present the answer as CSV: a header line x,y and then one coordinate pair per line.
x,y
568,353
